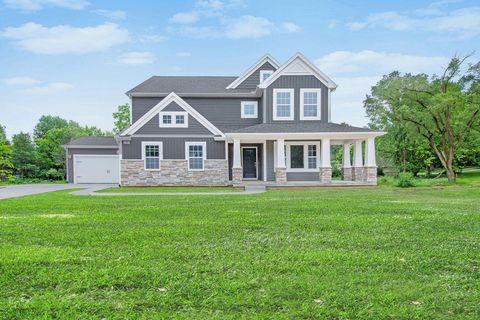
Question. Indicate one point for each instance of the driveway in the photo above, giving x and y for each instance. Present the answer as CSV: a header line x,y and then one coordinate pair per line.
x,y
21,190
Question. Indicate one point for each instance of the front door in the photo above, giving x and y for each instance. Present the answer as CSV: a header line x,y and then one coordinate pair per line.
x,y
249,158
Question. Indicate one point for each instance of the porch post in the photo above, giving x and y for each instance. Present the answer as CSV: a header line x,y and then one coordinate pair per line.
x,y
357,170
325,170
237,170
370,169
281,170
346,166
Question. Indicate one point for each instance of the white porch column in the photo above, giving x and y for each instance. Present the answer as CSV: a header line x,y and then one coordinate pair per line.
x,y
237,170
357,170
281,170
346,165
325,170
370,169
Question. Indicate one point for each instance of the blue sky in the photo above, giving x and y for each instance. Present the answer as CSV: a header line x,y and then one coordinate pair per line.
x,y
76,58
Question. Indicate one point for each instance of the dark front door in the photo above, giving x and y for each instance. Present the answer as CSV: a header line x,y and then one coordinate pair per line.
x,y
249,163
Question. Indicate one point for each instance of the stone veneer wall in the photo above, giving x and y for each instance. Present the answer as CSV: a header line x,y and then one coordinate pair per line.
x,y
174,173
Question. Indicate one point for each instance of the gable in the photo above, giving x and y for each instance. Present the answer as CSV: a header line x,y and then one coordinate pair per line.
x,y
153,127
253,80
255,67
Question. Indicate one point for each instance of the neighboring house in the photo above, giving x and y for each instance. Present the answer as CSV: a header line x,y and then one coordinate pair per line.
x,y
272,123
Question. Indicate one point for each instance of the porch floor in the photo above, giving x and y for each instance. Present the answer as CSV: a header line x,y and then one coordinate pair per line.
x,y
312,184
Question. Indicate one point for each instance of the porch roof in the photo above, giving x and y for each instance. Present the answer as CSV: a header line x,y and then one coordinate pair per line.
x,y
304,127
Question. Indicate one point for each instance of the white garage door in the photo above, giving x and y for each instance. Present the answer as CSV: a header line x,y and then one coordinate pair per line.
x,y
96,168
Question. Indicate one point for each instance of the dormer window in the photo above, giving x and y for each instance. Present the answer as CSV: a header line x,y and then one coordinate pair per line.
x,y
177,119
264,74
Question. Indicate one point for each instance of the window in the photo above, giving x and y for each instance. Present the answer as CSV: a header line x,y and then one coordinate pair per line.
x,y
300,156
152,154
283,104
265,74
310,104
177,119
195,153
249,109
312,156
296,156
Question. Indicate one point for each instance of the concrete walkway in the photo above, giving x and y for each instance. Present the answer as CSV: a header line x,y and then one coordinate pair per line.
x,y
22,190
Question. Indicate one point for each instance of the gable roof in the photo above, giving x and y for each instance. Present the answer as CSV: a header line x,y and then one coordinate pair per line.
x,y
298,64
95,141
172,97
266,58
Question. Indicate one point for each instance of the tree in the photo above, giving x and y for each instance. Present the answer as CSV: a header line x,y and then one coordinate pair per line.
x,y
46,123
6,166
3,134
443,110
121,118
24,155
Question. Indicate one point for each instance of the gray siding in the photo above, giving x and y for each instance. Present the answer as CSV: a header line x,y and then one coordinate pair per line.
x,y
173,148
254,79
173,106
71,152
152,127
296,83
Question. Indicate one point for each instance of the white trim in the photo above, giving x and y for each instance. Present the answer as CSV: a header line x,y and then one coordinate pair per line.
x,y
329,101
311,69
245,95
305,145
264,160
266,58
302,103
292,106
172,97
173,136
269,72
131,109
160,153
91,147
249,116
256,162
173,115
187,153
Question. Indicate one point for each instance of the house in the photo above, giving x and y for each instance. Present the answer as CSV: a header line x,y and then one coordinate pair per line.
x,y
272,124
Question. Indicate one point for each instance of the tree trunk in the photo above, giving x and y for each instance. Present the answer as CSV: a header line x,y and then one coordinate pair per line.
x,y
450,174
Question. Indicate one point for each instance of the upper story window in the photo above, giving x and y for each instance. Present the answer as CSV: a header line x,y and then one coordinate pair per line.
x,y
151,154
283,104
195,154
264,74
249,109
310,104
177,119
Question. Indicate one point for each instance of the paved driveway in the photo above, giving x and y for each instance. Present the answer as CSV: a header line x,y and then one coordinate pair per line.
x,y
21,190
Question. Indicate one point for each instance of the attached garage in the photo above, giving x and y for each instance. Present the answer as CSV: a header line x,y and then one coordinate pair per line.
x,y
93,160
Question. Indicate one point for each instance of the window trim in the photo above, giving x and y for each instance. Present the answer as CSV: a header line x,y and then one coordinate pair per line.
x,y
262,72
249,116
319,104
160,154
305,155
174,123
292,106
187,153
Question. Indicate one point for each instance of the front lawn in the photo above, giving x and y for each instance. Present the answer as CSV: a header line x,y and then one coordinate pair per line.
x,y
169,189
332,253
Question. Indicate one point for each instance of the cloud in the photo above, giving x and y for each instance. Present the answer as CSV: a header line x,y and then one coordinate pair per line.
x,y
111,14
290,27
20,81
136,58
36,38
152,38
184,54
35,5
51,88
184,17
249,27
464,23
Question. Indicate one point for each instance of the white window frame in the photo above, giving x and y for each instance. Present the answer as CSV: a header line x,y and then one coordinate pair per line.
x,y
263,72
292,106
305,145
160,154
255,109
187,153
174,123
319,104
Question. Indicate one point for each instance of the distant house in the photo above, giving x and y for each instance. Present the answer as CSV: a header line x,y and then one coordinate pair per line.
x,y
272,124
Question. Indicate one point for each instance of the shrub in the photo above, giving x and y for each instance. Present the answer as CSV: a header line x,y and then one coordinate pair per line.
x,y
405,180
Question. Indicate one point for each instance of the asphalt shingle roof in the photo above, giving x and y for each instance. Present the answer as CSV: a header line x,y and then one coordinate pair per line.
x,y
284,127
93,141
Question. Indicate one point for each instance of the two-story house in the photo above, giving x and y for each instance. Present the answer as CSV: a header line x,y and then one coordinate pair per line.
x,y
272,124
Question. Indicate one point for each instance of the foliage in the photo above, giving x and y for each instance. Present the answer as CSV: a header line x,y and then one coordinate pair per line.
x,y
6,166
121,118
405,180
3,134
24,156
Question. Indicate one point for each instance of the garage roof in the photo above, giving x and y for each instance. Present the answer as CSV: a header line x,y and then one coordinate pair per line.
x,y
93,141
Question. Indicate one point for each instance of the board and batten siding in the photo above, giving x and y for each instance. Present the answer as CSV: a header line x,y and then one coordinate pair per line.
x,y
254,79
173,148
73,151
296,83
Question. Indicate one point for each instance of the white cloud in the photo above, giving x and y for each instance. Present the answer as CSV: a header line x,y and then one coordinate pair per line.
x,y
184,54
464,23
249,27
20,81
35,5
152,38
51,88
136,58
184,17
111,14
290,27
36,38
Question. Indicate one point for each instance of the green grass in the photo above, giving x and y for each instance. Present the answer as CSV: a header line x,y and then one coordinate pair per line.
x,y
333,253
169,189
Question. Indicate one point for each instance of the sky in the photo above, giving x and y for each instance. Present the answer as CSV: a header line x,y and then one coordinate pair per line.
x,y
77,58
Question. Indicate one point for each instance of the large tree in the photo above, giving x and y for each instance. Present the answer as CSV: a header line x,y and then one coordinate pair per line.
x,y
3,134
442,110
121,118
24,155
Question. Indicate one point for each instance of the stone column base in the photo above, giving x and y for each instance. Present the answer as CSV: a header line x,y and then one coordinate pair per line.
x,y
281,175
370,174
237,176
358,174
347,174
325,175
